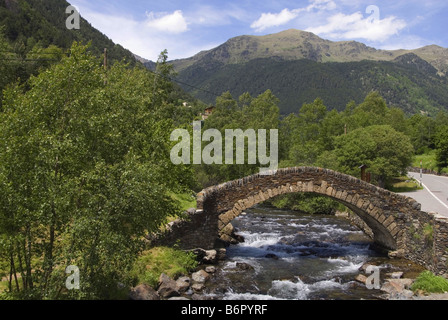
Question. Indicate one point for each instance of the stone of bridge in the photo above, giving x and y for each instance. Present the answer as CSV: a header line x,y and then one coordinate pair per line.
x,y
397,223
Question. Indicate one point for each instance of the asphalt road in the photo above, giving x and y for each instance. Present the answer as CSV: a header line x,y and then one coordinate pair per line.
x,y
434,197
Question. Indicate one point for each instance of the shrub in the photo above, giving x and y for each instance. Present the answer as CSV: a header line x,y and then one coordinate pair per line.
x,y
152,263
430,283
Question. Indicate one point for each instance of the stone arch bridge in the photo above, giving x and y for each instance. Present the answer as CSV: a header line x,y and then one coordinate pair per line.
x,y
397,222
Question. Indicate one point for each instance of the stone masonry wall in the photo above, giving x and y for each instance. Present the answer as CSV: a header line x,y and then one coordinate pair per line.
x,y
396,221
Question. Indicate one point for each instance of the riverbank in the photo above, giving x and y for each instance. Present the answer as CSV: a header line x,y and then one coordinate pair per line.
x,y
395,278
290,256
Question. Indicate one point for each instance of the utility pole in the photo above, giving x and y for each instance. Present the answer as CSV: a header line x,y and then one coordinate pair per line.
x,y
105,58
105,66
421,172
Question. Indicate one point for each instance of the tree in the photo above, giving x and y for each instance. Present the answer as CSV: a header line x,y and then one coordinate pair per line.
x,y
247,113
421,130
306,137
85,174
441,142
384,150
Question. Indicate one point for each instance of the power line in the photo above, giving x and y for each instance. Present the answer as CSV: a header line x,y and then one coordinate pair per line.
x,y
32,52
57,53
194,87
26,60
184,83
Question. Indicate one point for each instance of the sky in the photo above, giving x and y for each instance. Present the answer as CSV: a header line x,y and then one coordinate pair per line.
x,y
184,28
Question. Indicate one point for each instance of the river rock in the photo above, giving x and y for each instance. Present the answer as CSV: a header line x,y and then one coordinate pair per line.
x,y
200,277
365,266
271,256
208,256
182,284
244,266
396,287
210,269
221,254
178,298
167,287
361,278
395,275
403,295
211,257
143,292
198,287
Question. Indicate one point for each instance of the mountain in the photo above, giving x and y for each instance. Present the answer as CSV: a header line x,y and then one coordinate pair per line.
x,y
299,66
27,23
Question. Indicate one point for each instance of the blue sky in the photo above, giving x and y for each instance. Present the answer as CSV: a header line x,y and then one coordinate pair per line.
x,y
184,28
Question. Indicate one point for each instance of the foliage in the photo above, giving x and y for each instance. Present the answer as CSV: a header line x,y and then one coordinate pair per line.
x,y
171,261
296,82
430,283
386,152
426,161
247,112
42,22
307,203
85,174
33,36
441,142
403,184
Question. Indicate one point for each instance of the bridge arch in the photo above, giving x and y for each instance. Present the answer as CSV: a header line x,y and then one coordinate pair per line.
x,y
380,209
397,222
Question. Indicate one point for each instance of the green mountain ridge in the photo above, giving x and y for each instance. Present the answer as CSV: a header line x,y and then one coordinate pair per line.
x,y
295,44
299,66
43,22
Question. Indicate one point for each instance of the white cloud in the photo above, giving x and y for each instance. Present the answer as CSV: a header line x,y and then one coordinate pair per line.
x,y
149,36
408,42
169,23
269,20
322,5
355,26
211,16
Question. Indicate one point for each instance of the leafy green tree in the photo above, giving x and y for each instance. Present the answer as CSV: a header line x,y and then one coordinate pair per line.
x,y
85,174
441,142
384,150
421,131
248,112
372,111
306,137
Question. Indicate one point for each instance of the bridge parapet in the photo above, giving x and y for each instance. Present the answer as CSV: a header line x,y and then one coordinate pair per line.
x,y
397,222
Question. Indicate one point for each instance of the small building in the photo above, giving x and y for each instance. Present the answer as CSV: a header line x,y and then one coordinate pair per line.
x,y
207,112
365,176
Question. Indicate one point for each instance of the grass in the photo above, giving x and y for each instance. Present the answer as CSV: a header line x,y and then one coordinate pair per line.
x,y
404,184
187,200
428,160
173,262
430,283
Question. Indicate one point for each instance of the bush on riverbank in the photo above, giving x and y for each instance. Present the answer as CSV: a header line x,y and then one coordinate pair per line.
x,y
430,283
307,203
152,263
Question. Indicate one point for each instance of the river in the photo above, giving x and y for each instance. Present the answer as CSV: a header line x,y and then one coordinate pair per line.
x,y
291,256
